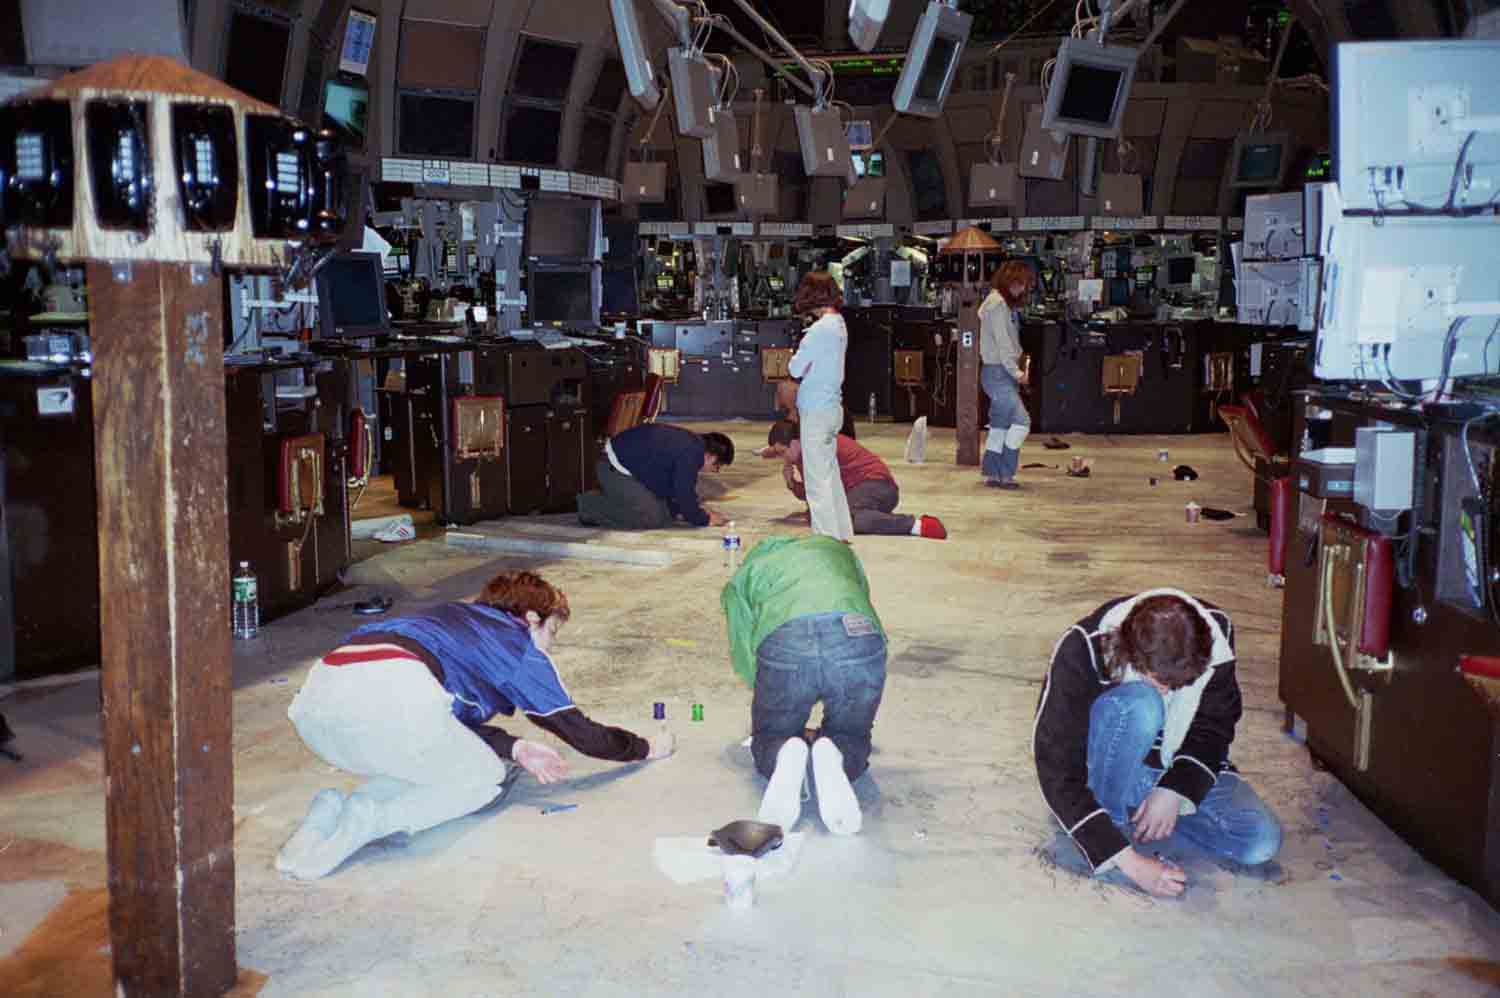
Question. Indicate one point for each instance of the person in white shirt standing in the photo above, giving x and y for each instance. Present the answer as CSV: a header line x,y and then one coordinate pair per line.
x,y
818,365
1000,373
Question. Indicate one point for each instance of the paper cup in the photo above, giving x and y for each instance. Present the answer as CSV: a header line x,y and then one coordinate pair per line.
x,y
739,882
1193,509
1077,464
1162,454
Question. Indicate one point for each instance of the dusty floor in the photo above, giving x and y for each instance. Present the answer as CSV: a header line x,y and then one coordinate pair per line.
x,y
953,888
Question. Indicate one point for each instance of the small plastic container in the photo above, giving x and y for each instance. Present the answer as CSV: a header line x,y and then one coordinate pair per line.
x,y
739,882
1192,510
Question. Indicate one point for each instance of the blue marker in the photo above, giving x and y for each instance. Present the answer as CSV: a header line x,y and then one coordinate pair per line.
x,y
554,808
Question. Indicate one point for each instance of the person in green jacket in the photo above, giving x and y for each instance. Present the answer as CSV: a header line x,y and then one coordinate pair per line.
x,y
802,630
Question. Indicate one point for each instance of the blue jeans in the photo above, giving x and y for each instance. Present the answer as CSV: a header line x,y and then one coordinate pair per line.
x,y
1231,820
1007,409
838,658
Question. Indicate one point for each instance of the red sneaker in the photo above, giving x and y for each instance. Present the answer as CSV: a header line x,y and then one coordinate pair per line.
x,y
933,528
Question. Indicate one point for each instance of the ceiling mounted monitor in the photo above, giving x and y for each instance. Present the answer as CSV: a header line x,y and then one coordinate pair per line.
x,y
639,73
1402,112
359,42
346,109
866,19
81,32
721,150
825,148
692,92
1260,160
1090,88
932,60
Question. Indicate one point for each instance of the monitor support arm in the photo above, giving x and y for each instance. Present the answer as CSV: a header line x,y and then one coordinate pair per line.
x,y
682,22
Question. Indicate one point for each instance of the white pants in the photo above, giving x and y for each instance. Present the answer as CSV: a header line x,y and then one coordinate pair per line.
x,y
391,721
820,469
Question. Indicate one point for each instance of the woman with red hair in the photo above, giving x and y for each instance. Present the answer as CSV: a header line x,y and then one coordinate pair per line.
x,y
404,703
1000,372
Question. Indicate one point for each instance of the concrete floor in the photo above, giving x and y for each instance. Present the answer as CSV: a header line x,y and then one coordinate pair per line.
x,y
955,887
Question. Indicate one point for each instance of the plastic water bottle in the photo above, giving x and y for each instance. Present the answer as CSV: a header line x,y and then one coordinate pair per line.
x,y
872,407
731,547
245,605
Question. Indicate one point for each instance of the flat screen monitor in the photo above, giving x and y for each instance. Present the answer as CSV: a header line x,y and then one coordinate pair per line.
x,y
532,134
932,60
54,35
1090,88
565,296
860,134
562,228
871,164
359,42
639,74
351,297
435,125
718,199
346,109
544,70
1260,160
609,87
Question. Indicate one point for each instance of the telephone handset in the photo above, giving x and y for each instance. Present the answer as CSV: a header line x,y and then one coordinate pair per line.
x,y
120,164
36,164
208,166
297,179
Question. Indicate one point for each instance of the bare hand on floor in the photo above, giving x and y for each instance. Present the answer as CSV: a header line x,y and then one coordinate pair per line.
x,y
1154,876
540,761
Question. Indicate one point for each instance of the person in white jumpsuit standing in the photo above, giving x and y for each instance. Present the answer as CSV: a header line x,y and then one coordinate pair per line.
x,y
818,365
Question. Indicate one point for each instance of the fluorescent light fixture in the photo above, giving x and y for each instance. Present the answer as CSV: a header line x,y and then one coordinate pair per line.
x,y
866,19
692,92
825,148
1401,114
639,75
932,61
1090,87
1260,160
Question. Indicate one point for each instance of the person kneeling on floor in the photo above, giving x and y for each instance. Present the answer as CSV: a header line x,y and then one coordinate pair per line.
x,y
403,702
868,483
648,476
802,630
1133,731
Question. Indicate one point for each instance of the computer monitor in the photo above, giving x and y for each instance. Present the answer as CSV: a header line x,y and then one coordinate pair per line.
x,y
1260,160
639,74
81,32
359,41
860,134
618,292
1399,113
1090,88
562,228
869,164
866,19
346,109
567,295
351,297
719,201
1178,273
932,60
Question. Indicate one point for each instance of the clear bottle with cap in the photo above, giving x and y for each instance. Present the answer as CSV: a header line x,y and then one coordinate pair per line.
x,y
872,407
245,603
731,546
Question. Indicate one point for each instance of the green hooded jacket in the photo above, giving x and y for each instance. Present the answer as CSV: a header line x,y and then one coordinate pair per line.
x,y
784,578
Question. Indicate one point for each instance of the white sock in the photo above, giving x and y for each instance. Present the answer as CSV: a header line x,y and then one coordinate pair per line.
x,y
837,804
782,803
358,825
322,818
916,527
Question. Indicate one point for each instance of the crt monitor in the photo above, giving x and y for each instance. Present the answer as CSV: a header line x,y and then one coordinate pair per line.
x,y
932,60
351,297
1260,160
1090,88
562,228
564,295
346,109
1178,273
618,291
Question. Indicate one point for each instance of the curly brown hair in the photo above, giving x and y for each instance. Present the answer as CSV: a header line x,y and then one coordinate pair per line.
x,y
817,290
1164,637
1013,272
517,593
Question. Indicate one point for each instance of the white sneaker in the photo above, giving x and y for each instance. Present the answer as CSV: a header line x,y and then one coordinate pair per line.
x,y
322,818
782,804
837,804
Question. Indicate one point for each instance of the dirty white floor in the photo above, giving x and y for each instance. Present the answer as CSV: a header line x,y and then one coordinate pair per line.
x,y
955,887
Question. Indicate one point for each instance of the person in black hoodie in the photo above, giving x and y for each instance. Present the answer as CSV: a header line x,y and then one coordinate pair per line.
x,y
1132,734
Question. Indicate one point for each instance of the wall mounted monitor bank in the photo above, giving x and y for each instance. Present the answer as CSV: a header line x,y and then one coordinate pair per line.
x,y
1090,88
932,60
1260,160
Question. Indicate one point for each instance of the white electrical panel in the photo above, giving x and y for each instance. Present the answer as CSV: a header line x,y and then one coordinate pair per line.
x,y
1384,459
1274,226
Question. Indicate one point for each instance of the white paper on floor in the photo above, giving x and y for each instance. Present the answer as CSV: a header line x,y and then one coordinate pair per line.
x,y
916,442
688,858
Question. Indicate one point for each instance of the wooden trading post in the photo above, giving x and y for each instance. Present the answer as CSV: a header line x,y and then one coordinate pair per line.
x,y
160,450
969,246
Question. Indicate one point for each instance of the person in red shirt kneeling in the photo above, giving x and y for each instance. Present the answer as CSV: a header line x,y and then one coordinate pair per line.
x,y
868,483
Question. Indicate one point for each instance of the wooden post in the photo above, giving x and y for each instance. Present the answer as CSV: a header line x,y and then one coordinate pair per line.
x,y
164,623
966,399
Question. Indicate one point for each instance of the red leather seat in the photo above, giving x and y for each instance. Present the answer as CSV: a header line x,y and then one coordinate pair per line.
x,y
1257,451
655,394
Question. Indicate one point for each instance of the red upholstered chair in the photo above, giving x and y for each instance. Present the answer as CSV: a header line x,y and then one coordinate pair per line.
x,y
656,394
1257,450
626,412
